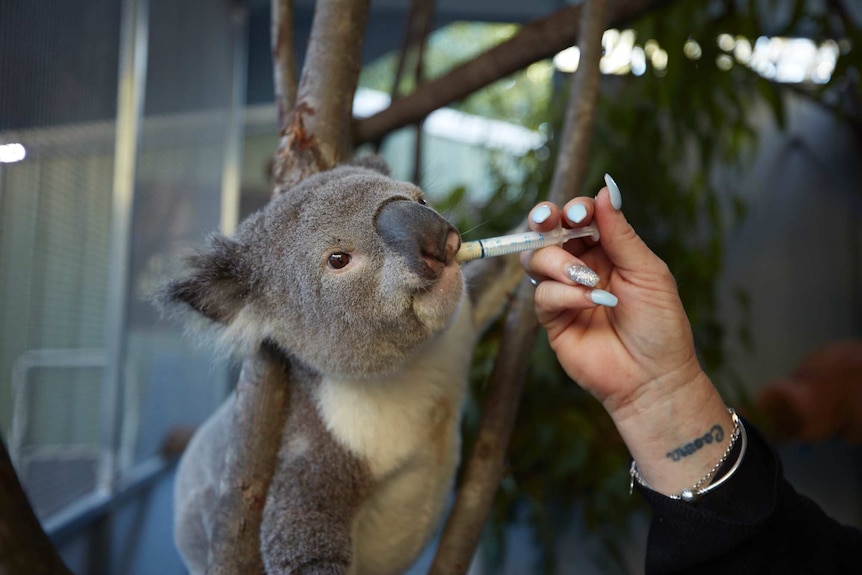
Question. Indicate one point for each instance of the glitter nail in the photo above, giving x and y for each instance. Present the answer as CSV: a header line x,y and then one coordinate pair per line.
x,y
583,275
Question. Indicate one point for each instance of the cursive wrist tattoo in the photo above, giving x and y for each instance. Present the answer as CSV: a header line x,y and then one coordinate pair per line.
x,y
715,434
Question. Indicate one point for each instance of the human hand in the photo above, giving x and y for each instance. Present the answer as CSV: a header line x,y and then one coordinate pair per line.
x,y
624,335
629,332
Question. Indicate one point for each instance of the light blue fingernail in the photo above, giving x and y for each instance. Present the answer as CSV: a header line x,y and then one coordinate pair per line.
x,y
601,297
576,213
541,214
614,189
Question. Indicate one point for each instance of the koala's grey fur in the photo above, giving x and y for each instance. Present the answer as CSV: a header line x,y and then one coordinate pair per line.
x,y
378,354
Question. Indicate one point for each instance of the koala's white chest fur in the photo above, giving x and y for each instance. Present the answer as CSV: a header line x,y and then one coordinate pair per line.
x,y
406,427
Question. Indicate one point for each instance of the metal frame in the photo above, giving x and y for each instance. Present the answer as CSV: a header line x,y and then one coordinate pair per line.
x,y
36,358
115,486
232,168
130,104
68,521
90,509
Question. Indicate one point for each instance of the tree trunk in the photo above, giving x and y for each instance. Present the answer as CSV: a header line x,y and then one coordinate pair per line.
x,y
536,41
487,461
261,404
24,547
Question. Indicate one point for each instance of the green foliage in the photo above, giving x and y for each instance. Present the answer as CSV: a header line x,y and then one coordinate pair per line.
x,y
676,140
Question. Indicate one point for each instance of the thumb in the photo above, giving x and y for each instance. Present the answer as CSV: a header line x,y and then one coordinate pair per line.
x,y
625,249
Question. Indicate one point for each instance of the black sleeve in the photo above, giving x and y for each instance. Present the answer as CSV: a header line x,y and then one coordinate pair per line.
x,y
755,523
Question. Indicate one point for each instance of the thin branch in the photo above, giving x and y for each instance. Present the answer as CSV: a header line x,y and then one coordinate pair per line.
x,y
406,45
24,547
487,462
319,137
419,19
283,60
422,23
535,41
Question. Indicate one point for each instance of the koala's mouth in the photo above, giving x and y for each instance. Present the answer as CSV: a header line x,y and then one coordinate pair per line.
x,y
437,256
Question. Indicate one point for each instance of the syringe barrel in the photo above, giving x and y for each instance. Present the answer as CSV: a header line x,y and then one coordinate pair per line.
x,y
513,243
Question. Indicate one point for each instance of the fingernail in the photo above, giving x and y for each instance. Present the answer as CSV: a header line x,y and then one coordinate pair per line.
x,y
541,214
583,275
576,213
614,189
601,297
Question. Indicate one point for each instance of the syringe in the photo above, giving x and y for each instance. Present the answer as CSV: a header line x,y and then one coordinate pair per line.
x,y
502,245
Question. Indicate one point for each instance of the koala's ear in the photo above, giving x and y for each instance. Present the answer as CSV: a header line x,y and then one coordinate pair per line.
x,y
217,285
372,162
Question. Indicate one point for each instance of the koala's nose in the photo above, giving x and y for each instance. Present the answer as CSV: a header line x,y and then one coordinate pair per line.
x,y
426,240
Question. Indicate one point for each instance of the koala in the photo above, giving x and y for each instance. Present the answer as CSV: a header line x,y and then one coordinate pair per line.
x,y
350,277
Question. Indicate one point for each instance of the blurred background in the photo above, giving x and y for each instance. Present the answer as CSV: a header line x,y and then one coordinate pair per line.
x,y
130,129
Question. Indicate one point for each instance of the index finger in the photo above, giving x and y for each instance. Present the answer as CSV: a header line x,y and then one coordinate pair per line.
x,y
546,217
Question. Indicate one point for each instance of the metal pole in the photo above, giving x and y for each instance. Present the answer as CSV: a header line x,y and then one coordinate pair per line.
x,y
130,103
232,170
69,522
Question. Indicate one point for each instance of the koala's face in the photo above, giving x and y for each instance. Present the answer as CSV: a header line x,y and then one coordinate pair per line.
x,y
350,272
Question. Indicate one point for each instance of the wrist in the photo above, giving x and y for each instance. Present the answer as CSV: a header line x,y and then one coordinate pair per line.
x,y
721,471
675,434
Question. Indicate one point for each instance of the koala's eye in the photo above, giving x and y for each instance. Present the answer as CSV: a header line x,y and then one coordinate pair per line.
x,y
422,201
338,260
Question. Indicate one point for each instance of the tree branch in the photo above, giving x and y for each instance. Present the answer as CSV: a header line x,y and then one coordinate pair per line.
x,y
319,137
422,21
419,19
538,40
283,60
486,465
24,547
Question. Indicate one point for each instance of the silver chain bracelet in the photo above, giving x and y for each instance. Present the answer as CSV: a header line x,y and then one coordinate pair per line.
x,y
697,490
